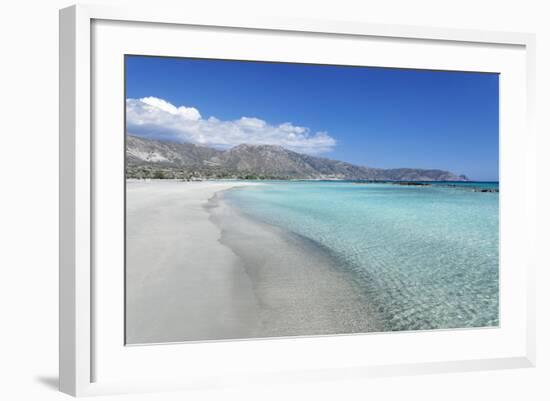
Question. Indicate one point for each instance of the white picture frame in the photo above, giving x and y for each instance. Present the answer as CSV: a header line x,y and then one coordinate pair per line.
x,y
82,344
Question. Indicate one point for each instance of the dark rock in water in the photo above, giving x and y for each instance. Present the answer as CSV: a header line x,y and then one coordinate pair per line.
x,y
362,182
491,190
413,184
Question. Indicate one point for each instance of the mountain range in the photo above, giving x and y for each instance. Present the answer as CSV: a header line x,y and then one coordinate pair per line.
x,y
147,158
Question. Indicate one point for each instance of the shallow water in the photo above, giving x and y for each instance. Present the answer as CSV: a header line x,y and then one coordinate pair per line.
x,y
426,257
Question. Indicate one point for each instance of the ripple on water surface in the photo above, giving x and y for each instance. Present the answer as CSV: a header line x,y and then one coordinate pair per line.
x,y
427,257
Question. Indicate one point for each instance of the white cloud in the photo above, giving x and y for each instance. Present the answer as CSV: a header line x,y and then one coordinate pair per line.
x,y
156,118
154,103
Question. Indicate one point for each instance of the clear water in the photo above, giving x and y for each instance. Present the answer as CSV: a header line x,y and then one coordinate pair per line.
x,y
426,257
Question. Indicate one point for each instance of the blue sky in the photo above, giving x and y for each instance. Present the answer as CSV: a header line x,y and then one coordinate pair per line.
x,y
367,116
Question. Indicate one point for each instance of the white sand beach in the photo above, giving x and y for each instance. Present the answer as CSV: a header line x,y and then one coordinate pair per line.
x,y
197,269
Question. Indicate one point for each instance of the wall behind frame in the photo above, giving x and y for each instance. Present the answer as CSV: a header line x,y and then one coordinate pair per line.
x,y
28,201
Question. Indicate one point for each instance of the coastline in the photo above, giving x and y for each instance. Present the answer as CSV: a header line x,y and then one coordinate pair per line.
x,y
298,283
192,274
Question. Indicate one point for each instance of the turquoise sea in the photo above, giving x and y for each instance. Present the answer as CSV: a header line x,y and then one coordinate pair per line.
x,y
427,257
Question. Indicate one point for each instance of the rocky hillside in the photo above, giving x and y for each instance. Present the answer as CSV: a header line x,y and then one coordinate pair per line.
x,y
140,150
150,158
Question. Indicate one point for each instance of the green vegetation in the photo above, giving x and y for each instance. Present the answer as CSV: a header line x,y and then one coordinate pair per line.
x,y
195,173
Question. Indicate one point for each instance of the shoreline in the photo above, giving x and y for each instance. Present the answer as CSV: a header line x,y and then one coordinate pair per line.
x,y
191,274
298,283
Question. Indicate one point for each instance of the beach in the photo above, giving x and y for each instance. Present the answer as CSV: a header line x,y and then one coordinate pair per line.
x,y
198,270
